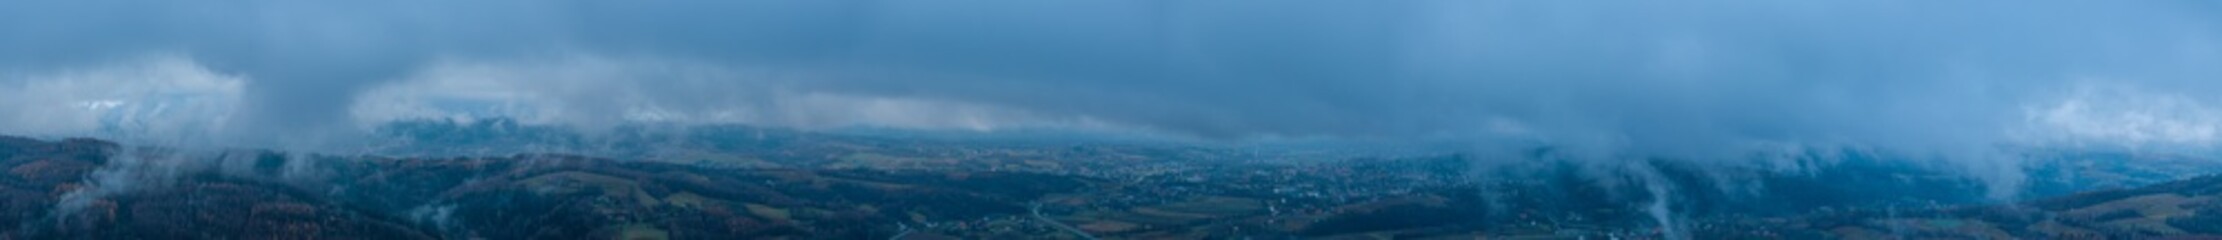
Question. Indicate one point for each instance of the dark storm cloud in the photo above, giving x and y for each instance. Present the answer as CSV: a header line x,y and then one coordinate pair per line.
x,y
1631,75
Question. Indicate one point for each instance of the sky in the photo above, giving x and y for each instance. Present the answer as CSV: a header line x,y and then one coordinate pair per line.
x,y
1623,77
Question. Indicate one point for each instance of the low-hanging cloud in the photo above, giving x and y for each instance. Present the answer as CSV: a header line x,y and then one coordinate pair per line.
x,y
2115,117
600,92
156,98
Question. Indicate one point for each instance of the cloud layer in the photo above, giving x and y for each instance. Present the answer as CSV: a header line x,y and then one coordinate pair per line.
x,y
1701,78
591,92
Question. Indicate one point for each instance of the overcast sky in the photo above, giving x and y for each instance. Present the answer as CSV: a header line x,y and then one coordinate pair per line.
x,y
1670,77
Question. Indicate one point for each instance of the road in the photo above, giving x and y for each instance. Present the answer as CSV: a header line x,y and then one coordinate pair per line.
x,y
1037,208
